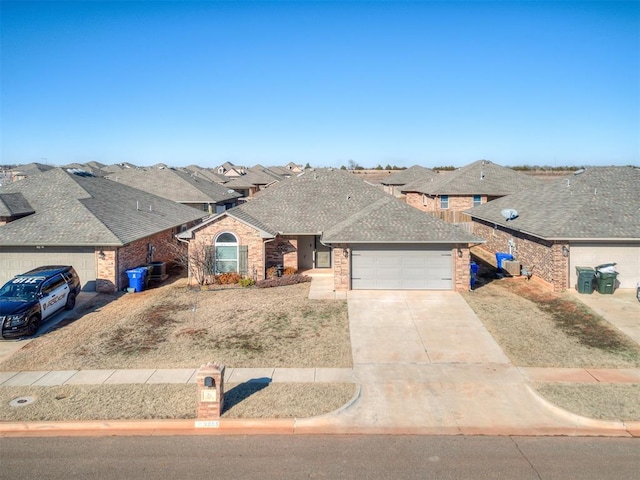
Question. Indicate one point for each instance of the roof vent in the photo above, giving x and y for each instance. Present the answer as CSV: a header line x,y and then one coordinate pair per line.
x,y
578,172
509,214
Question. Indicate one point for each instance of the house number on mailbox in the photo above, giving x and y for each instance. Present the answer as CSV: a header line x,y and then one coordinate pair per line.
x,y
209,396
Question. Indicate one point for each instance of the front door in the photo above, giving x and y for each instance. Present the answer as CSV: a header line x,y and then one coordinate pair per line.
x,y
322,255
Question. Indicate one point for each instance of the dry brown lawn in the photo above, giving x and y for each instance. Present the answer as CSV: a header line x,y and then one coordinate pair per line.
x,y
174,326
600,401
170,401
539,328
178,327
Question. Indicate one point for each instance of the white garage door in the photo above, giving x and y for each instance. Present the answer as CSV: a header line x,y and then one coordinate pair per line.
x,y
626,256
15,260
401,267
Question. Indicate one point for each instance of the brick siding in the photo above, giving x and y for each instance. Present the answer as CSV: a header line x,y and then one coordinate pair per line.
x,y
462,269
341,268
245,234
545,257
282,251
427,203
113,263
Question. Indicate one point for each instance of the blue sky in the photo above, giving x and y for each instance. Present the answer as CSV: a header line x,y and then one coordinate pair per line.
x,y
400,83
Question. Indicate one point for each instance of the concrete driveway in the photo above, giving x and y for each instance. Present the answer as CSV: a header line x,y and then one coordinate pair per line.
x,y
9,346
621,309
425,363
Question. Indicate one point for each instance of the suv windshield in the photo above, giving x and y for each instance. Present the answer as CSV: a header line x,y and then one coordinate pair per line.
x,y
21,288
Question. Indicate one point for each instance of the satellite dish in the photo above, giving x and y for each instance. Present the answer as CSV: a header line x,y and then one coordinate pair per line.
x,y
509,214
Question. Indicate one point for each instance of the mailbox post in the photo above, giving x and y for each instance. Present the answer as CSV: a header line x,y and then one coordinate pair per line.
x,y
210,381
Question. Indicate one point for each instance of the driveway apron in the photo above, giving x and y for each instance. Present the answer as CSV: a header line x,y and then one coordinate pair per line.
x,y
425,363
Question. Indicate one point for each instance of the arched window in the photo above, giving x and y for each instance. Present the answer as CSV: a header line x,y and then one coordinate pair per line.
x,y
226,253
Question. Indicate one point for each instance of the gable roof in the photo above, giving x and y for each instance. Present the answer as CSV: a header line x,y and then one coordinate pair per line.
x,y
344,208
478,178
388,220
206,173
411,174
174,185
597,203
74,209
250,179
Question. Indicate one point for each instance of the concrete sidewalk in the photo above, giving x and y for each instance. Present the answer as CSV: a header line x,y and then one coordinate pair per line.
x,y
177,375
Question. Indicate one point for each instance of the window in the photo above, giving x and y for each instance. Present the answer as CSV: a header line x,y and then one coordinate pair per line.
x,y
444,202
477,200
52,284
226,253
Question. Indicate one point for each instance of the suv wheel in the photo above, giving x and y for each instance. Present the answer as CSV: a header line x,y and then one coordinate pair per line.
x,y
71,301
34,324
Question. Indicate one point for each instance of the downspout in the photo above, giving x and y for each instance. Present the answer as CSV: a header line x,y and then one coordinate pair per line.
x,y
188,267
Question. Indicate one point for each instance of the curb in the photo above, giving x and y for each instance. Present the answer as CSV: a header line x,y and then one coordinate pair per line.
x,y
586,425
325,424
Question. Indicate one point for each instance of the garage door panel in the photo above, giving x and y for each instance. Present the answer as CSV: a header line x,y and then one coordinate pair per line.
x,y
394,267
16,260
626,257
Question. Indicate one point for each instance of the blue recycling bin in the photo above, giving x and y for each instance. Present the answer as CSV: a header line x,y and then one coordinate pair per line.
x,y
500,256
474,273
136,278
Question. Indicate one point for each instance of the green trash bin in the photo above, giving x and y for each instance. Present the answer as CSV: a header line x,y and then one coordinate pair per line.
x,y
586,276
606,278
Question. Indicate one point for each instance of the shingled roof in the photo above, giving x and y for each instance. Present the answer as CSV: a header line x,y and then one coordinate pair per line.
x,y
478,178
74,209
14,205
411,174
597,203
345,208
175,185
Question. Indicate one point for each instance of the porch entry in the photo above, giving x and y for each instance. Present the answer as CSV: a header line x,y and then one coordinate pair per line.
x,y
312,253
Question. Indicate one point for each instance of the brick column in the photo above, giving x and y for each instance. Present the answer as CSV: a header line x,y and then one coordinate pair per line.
x,y
210,381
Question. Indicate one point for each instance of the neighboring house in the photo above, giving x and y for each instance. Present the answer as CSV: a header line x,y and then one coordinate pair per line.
x,y
251,182
101,227
586,219
206,173
118,167
185,188
393,183
228,169
330,219
472,185
18,172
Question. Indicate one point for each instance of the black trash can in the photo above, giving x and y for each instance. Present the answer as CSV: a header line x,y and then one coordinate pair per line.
x,y
279,270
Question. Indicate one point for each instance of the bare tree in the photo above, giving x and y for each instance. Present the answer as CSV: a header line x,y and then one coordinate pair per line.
x,y
196,258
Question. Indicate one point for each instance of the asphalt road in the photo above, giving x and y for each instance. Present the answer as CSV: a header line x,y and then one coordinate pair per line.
x,y
332,457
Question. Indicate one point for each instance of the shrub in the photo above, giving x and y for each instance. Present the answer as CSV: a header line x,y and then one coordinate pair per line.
x,y
271,272
282,281
290,271
246,282
227,278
